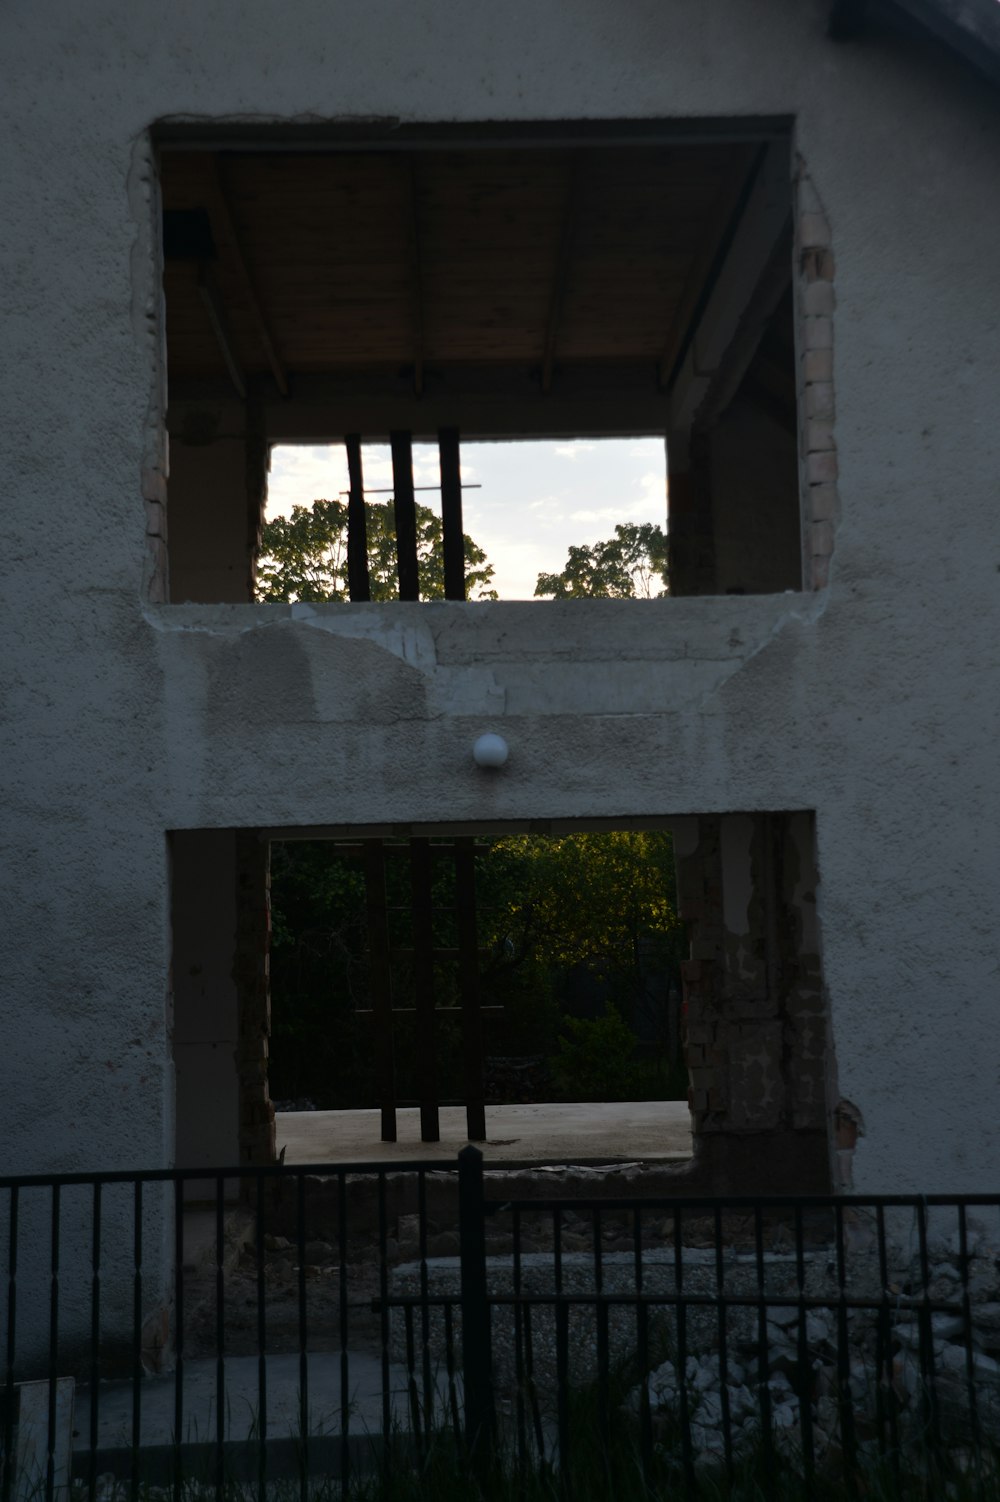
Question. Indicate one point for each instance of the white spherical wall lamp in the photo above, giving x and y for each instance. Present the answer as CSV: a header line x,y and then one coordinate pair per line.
x,y
490,751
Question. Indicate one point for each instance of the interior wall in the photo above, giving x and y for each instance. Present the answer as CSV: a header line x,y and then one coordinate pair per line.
x,y
754,489
205,1000
208,539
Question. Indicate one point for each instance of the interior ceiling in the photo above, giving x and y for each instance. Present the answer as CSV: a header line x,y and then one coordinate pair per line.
x,y
535,258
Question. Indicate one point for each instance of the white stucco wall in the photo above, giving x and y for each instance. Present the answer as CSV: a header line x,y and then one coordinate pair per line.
x,y
873,703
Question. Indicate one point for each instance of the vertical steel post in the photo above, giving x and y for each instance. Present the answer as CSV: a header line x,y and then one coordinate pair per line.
x,y
358,586
451,514
405,507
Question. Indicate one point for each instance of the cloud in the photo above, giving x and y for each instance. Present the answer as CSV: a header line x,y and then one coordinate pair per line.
x,y
575,449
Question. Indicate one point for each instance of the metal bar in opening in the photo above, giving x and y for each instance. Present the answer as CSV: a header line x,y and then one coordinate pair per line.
x,y
406,515
421,876
380,982
358,585
468,982
451,514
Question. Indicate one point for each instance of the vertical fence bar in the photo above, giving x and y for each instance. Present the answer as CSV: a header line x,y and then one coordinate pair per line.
x,y
562,1356
477,1360
345,1375
136,1338
451,514
50,1457
261,1344
358,585
95,1338
220,1337
925,1325
300,1231
682,1378
845,1403
468,980
383,1296
520,1420
425,1313
178,1337
970,1373
721,1321
421,880
884,1316
416,1427
8,1410
763,1356
642,1352
603,1352
406,515
804,1360
380,981
449,1362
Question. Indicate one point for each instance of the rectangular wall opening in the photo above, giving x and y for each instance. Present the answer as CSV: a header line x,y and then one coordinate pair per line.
x,y
409,974
460,293
521,991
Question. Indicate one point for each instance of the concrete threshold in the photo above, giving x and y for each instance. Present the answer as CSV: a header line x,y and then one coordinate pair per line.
x,y
547,1133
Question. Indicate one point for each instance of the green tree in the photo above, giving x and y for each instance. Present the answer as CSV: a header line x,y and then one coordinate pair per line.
x,y
603,900
304,556
630,565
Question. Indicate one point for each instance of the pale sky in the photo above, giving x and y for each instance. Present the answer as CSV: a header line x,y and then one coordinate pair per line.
x,y
537,498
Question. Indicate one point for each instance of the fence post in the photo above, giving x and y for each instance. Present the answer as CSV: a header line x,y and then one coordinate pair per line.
x,y
477,1358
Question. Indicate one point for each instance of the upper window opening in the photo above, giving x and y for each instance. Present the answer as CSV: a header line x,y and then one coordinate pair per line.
x,y
449,317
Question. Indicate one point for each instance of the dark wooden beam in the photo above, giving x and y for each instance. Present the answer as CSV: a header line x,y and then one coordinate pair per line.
x,y
226,235
729,197
406,515
451,514
380,985
560,275
209,294
757,239
358,584
416,274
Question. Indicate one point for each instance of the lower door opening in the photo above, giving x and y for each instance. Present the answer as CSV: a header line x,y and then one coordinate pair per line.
x,y
520,991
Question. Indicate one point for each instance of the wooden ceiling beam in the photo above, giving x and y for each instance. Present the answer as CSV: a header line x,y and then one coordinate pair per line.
x,y
701,267
227,237
209,294
416,276
744,288
560,276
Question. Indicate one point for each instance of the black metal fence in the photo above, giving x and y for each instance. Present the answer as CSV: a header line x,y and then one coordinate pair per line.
x,y
250,1326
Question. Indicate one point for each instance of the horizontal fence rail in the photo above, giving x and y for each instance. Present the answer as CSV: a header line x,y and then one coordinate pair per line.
x,y
245,1328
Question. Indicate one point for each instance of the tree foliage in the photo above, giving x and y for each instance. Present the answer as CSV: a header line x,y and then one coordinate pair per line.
x,y
630,565
304,555
585,918
600,900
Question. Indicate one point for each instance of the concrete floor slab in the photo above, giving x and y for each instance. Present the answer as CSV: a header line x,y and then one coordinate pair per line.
x,y
588,1132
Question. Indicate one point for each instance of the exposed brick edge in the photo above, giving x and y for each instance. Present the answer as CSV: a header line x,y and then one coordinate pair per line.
x,y
817,445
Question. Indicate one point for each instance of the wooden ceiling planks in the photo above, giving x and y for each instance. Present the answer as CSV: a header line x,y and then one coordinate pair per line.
x,y
366,260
